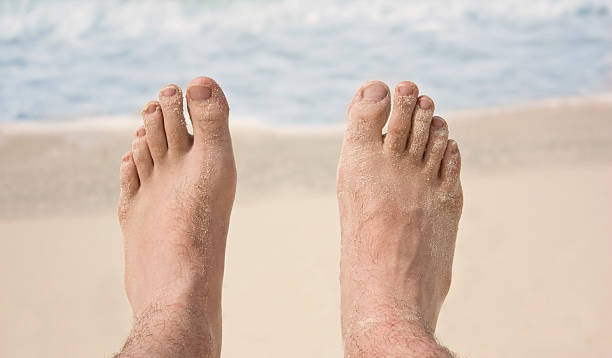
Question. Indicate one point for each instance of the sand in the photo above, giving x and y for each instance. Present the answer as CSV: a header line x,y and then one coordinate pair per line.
x,y
532,266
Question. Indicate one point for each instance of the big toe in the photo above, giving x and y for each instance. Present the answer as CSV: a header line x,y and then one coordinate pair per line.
x,y
368,113
208,110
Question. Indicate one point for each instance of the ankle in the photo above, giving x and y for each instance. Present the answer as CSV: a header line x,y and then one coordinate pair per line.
x,y
391,339
188,327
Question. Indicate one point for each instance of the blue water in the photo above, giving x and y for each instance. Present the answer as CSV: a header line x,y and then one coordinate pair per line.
x,y
296,62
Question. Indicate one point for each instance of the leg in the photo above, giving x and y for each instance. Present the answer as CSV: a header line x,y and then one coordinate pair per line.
x,y
177,193
400,200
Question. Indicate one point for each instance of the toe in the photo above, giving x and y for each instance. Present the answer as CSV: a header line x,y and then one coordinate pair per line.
x,y
436,145
208,110
419,134
171,101
451,165
156,134
368,114
142,155
128,174
405,99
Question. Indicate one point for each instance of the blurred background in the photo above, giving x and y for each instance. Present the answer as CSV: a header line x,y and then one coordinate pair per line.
x,y
296,62
525,85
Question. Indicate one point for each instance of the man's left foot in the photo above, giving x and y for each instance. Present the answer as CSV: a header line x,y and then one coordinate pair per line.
x,y
177,192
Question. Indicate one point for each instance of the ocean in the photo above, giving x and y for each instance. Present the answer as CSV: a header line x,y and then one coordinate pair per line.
x,y
290,62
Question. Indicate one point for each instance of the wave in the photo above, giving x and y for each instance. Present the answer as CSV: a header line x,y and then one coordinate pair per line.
x,y
125,19
296,61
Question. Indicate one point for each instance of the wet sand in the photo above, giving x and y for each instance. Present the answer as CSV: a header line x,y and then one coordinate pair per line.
x,y
532,267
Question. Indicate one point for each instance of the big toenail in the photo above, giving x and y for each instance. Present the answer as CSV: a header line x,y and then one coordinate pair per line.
x,y
425,103
199,93
407,90
151,108
374,92
168,92
437,122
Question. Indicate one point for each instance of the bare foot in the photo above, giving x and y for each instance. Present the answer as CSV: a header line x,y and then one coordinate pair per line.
x,y
177,192
400,200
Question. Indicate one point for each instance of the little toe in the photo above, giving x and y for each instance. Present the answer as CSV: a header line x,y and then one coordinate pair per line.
x,y
128,176
156,134
171,100
404,101
368,113
208,110
419,134
451,165
436,145
142,155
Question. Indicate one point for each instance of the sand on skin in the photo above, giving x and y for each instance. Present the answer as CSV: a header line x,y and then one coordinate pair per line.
x,y
531,274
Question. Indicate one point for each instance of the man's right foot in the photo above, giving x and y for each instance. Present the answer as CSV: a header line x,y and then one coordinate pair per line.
x,y
400,200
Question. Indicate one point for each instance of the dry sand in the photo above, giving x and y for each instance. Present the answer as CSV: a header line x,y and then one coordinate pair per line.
x,y
532,267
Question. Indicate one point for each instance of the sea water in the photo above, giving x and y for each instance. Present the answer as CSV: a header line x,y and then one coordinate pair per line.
x,y
290,62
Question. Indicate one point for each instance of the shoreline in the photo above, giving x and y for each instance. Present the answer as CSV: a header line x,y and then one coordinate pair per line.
x,y
132,121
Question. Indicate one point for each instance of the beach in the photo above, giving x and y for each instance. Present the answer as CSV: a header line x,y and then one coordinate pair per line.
x,y
531,270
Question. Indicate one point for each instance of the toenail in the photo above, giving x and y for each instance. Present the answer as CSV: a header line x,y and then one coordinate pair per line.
x,y
199,93
407,90
437,122
374,92
425,103
168,92
151,108
453,147
141,132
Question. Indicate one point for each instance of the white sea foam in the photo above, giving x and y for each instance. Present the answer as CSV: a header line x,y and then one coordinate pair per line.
x,y
294,61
